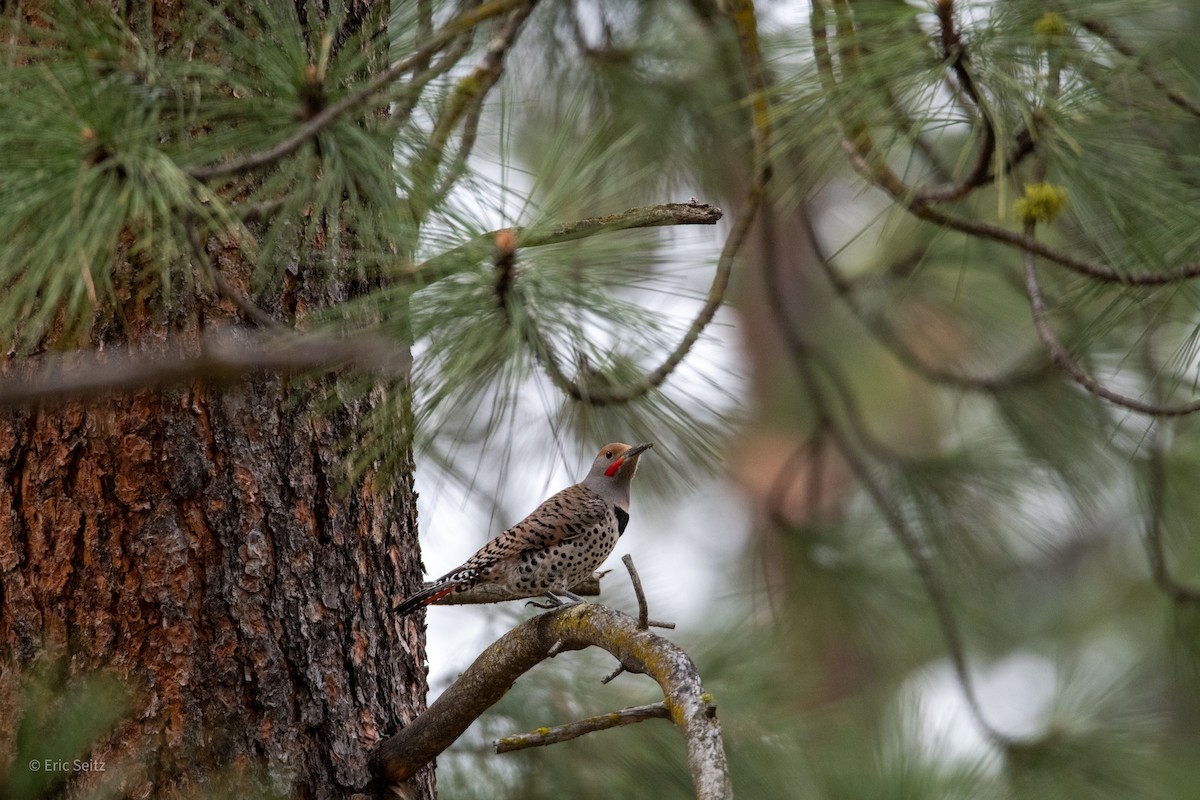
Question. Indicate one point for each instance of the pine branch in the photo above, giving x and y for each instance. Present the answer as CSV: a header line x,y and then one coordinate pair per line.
x,y
954,51
1156,473
1157,80
873,166
826,421
464,105
574,627
425,72
887,337
1063,358
744,20
375,90
482,246
607,394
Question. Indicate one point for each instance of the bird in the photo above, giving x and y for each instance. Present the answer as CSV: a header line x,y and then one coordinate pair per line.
x,y
562,542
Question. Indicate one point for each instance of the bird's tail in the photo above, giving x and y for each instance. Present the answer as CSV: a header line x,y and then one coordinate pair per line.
x,y
431,593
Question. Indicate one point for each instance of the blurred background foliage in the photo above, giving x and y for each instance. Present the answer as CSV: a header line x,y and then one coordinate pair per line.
x,y
947,587
944,567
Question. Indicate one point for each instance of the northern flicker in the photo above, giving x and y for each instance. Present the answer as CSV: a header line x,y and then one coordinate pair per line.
x,y
562,542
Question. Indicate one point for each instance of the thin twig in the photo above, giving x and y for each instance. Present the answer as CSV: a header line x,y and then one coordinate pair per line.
x,y
406,102
644,620
1066,362
954,50
465,101
486,75
573,730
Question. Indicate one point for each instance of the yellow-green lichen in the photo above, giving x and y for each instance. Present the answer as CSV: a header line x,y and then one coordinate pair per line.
x,y
1042,202
542,731
1050,25
707,698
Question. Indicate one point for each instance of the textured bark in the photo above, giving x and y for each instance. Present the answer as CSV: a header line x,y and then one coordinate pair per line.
x,y
201,543
195,543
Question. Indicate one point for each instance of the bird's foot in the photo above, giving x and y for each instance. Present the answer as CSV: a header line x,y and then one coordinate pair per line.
x,y
574,598
555,599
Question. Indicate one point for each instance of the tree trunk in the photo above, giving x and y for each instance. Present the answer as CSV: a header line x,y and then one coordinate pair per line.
x,y
202,544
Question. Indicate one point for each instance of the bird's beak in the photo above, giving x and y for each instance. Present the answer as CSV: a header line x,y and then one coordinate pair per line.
x,y
637,449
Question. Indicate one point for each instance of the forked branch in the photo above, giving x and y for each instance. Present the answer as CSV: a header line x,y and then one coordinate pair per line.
x,y
573,627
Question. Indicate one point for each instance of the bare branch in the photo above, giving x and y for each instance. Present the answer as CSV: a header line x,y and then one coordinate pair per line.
x,y
573,730
644,620
573,627
216,359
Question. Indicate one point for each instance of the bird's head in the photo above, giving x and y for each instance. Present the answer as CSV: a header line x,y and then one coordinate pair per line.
x,y
613,469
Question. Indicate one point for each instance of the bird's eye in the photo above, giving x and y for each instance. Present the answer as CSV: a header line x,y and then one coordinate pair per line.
x,y
608,454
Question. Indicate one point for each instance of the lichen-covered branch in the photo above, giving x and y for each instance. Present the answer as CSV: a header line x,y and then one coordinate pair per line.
x,y
573,730
571,628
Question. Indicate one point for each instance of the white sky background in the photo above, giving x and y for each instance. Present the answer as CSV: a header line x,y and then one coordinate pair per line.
x,y
686,548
